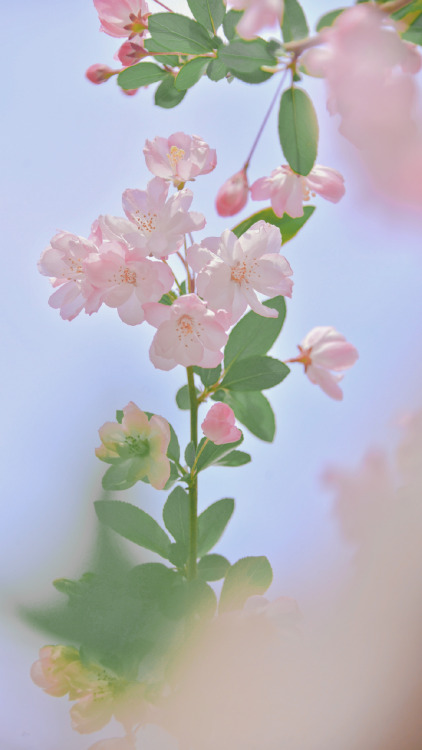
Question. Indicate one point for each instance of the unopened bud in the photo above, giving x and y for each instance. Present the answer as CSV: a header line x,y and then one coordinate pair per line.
x,y
130,52
233,195
99,73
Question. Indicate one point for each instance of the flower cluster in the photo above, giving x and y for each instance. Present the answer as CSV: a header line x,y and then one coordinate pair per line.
x,y
98,693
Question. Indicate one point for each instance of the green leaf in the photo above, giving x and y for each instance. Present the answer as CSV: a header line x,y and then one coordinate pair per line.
x,y
254,334
167,95
182,398
152,46
178,33
176,516
208,376
216,70
178,555
168,298
298,130
133,524
328,18
253,410
247,577
414,32
139,75
254,374
288,227
121,475
190,454
191,72
212,522
258,76
294,21
210,13
119,416
241,56
231,19
213,567
235,458
211,453
173,451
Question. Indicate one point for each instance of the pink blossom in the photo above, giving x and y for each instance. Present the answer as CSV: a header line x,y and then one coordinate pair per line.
x,y
123,17
155,226
219,425
99,73
94,709
179,158
140,442
324,349
288,190
233,194
258,14
50,671
231,271
126,280
64,262
369,74
130,53
188,333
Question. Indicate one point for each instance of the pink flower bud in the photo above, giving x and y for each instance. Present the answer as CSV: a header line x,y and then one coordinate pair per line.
x,y
99,73
233,195
130,53
219,425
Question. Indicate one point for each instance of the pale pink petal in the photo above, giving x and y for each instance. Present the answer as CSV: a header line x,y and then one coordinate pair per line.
x,y
219,425
233,195
326,380
326,182
131,311
156,313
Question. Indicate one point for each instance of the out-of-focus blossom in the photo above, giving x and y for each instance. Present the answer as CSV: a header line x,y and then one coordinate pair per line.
x,y
126,280
99,73
368,70
113,743
64,262
155,226
219,425
93,710
130,53
50,672
139,442
231,271
288,190
179,158
233,194
123,17
324,350
363,498
258,15
188,333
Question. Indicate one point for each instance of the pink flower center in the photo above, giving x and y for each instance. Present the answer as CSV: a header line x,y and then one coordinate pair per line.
x,y
185,326
138,24
176,154
145,222
240,273
75,269
124,275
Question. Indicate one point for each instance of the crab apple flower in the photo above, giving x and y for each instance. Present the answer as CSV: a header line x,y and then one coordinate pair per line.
x,y
179,158
258,14
155,226
219,425
188,333
99,73
139,442
130,53
123,17
126,280
288,190
231,271
324,349
49,672
233,194
94,709
64,262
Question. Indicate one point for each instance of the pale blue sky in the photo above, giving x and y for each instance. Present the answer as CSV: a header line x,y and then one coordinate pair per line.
x,y
69,151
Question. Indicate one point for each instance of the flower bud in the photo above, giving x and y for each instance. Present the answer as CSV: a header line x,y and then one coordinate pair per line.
x,y
130,53
219,425
99,73
233,195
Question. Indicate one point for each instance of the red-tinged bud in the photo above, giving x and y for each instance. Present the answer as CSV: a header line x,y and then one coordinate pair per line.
x,y
99,73
130,53
233,195
129,92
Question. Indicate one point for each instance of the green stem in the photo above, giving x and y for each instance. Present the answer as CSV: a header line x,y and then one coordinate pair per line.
x,y
193,484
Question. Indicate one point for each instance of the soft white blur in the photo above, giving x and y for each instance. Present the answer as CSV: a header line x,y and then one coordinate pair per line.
x,y
69,150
